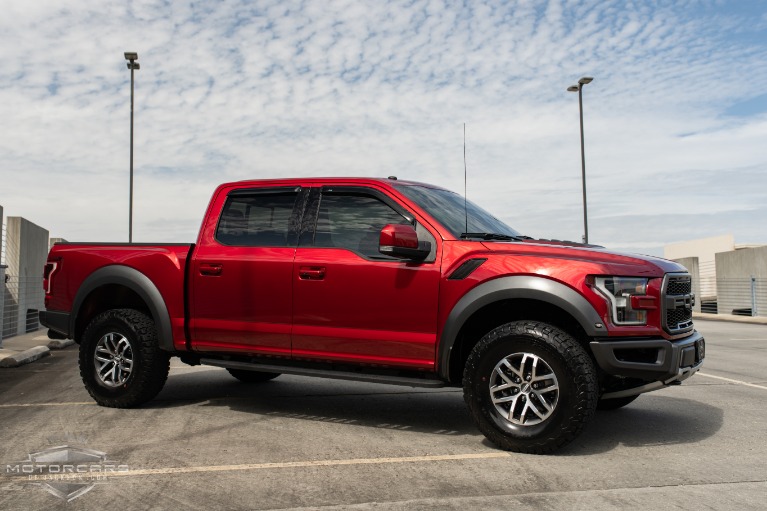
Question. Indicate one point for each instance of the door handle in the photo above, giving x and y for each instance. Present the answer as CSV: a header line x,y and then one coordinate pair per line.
x,y
211,269
311,273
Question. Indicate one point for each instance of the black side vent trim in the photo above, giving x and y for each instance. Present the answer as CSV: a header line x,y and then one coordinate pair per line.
x,y
466,269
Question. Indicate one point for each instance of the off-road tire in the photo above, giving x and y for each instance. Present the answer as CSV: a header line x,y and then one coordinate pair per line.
x,y
252,376
575,376
615,403
150,364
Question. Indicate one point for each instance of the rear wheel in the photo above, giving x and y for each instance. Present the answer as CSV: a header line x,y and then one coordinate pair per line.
x,y
121,362
252,376
530,387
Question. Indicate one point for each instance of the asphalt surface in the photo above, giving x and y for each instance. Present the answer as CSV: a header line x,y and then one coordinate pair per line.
x,y
210,442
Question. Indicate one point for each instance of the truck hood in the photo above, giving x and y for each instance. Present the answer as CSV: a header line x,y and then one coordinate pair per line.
x,y
611,262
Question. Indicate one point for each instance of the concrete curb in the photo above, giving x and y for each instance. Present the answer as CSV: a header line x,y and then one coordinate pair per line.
x,y
60,344
757,320
25,357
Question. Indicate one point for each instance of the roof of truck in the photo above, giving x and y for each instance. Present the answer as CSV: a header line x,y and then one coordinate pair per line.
x,y
387,181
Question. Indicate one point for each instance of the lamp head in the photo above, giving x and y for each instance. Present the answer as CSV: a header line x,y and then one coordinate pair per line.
x,y
131,55
585,80
573,88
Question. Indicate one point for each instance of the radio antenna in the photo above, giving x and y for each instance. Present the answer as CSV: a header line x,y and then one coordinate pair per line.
x,y
465,200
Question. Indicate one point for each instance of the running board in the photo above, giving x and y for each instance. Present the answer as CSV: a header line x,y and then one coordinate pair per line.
x,y
326,373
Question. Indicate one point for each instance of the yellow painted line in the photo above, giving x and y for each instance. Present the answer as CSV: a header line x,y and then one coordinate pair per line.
x,y
29,405
293,464
739,382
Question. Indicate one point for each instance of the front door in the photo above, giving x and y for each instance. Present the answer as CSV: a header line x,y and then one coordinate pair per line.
x,y
352,303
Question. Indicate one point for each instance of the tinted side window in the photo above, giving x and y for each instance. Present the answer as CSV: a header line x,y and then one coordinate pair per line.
x,y
353,222
258,220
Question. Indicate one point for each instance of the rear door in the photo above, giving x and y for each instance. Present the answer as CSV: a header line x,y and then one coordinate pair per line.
x,y
241,277
352,303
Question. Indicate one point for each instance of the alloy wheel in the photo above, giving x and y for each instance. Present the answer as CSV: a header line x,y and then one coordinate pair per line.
x,y
524,389
113,359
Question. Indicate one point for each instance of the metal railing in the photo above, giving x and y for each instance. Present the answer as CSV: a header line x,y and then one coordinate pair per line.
x,y
738,296
2,244
707,270
23,298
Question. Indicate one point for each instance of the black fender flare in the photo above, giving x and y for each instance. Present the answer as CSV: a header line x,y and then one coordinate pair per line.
x,y
136,282
515,287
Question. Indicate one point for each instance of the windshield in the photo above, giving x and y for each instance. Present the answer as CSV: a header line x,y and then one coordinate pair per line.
x,y
448,209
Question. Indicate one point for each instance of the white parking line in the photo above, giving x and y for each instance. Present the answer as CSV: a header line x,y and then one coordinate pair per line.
x,y
295,464
739,382
27,405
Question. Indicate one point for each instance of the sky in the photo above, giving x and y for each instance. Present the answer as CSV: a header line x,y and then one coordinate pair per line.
x,y
675,120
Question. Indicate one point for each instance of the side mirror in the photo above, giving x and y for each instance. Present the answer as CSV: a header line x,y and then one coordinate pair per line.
x,y
401,241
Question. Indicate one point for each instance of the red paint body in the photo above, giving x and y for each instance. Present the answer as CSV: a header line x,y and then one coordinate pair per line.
x,y
332,304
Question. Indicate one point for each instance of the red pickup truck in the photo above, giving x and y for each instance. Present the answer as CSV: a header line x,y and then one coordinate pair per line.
x,y
380,280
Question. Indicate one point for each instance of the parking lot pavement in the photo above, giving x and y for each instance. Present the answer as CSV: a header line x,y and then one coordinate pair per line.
x,y
210,442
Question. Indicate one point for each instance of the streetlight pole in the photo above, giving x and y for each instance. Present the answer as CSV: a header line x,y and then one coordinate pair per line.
x,y
131,57
579,88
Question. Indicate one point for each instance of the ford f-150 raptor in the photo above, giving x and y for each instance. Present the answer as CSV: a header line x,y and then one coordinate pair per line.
x,y
380,280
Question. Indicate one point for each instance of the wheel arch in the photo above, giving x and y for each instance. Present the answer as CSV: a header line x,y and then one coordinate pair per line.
x,y
116,287
506,299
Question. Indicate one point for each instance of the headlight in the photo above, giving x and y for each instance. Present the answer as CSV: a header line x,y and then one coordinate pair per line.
x,y
618,291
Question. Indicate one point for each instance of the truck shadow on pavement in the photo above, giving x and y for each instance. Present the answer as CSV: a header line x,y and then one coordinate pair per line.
x,y
653,420
434,411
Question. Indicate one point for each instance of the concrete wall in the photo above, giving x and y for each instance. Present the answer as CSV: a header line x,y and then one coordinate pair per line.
x,y
53,241
733,279
705,250
691,263
2,282
27,251
2,302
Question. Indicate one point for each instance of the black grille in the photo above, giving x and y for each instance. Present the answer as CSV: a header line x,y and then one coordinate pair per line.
x,y
676,316
678,304
679,286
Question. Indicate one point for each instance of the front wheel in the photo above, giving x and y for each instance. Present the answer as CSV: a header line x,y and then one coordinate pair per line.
x,y
530,387
121,362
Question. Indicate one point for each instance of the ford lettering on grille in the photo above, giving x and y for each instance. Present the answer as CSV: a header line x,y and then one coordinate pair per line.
x,y
678,303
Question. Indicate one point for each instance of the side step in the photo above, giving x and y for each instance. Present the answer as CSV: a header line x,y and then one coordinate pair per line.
x,y
327,373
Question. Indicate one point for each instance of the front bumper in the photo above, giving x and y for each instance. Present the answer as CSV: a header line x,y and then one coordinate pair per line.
x,y
653,360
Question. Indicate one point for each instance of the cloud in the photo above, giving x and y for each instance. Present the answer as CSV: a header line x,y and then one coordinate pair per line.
x,y
236,90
